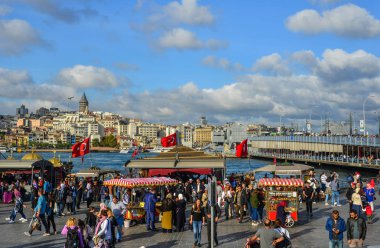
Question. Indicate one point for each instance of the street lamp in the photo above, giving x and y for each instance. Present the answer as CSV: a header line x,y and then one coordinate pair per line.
x,y
364,102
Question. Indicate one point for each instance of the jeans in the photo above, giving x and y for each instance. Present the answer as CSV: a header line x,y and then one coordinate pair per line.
x,y
150,220
227,206
254,214
260,211
50,220
336,243
197,230
14,213
61,207
120,222
74,204
309,205
327,198
335,197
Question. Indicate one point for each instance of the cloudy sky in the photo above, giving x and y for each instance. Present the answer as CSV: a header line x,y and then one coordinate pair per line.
x,y
174,61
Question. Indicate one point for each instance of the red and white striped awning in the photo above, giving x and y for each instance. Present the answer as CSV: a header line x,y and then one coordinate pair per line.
x,y
140,182
280,182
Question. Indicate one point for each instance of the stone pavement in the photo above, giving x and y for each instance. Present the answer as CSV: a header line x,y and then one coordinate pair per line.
x,y
307,232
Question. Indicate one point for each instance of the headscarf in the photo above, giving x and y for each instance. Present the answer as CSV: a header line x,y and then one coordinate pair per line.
x,y
180,196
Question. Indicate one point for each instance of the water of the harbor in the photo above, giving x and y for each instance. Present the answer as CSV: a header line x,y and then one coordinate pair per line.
x,y
116,161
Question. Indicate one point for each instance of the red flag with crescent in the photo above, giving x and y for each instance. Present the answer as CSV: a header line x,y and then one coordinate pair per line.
x,y
242,149
80,148
135,152
169,141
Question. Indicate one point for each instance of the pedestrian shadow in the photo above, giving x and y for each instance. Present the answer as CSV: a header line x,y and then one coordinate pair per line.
x,y
170,243
41,244
301,232
375,220
232,237
140,235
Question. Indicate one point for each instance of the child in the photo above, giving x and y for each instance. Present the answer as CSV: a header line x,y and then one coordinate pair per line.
x,y
19,208
368,212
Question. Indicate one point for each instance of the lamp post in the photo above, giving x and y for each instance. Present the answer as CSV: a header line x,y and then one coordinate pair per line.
x,y
364,102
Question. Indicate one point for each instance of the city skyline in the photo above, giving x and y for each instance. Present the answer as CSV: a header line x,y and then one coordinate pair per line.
x,y
174,61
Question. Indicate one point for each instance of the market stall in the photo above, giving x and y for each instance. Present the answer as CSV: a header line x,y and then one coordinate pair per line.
x,y
135,210
279,190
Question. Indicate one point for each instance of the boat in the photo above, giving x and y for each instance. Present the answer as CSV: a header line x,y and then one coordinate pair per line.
x,y
160,149
126,150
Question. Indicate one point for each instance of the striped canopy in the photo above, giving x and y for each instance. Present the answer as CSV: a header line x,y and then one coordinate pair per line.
x,y
280,182
140,182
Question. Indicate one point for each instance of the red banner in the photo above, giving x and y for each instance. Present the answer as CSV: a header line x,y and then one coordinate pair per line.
x,y
169,141
242,149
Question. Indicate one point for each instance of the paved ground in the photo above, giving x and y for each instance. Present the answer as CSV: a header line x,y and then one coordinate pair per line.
x,y
307,233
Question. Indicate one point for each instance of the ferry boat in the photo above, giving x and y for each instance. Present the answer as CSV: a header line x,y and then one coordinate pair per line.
x,y
3,149
127,150
160,149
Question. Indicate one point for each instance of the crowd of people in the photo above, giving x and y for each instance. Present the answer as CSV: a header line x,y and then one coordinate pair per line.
x,y
241,198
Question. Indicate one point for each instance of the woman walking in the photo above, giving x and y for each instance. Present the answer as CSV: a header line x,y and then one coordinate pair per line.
x,y
228,200
197,218
357,203
180,213
103,234
74,237
50,212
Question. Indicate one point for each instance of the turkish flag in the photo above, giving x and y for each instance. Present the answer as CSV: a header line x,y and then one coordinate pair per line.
x,y
242,149
80,148
169,141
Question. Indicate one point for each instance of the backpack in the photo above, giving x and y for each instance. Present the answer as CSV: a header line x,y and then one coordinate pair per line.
x,y
285,243
72,239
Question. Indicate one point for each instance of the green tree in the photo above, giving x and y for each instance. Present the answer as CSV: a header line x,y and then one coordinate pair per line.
x,y
109,141
96,142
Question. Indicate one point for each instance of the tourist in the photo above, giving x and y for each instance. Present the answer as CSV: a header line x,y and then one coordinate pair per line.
x,y
39,213
335,192
114,224
323,181
103,235
254,204
47,187
336,226
69,199
253,182
279,227
245,192
281,214
240,201
74,237
369,214
60,199
204,198
219,193
74,193
217,214
357,203
197,218
228,200
126,197
89,194
349,193
180,213
91,218
87,233
328,192
168,207
356,229
18,208
199,188
79,194
118,208
150,200
260,209
106,198
308,194
370,194
50,212
268,236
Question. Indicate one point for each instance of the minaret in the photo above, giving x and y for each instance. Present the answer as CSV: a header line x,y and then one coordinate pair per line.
x,y
83,104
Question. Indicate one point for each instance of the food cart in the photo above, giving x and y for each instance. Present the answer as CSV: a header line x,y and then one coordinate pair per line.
x,y
278,190
135,210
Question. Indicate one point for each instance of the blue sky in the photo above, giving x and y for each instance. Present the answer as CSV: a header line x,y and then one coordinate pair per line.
x,y
173,61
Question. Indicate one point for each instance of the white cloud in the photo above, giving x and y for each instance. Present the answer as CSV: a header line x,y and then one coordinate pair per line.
x,y
272,64
182,39
5,10
222,63
18,36
188,12
81,76
347,21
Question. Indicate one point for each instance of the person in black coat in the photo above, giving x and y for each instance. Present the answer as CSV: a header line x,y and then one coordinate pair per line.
x,y
180,213
281,214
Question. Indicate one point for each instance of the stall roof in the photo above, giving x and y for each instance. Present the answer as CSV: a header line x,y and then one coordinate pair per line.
x,y
176,164
88,173
141,182
284,169
280,182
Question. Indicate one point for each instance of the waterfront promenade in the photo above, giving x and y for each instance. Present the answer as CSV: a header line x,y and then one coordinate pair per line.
x,y
307,233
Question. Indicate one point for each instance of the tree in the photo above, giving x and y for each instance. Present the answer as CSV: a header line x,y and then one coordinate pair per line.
x,y
109,141
96,142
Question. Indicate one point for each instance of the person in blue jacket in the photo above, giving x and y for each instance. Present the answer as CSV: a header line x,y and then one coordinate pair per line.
x,y
39,212
150,200
336,226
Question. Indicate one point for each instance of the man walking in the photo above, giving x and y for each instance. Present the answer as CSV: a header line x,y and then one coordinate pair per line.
x,y
335,192
308,194
335,225
118,209
356,229
217,214
240,201
40,213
